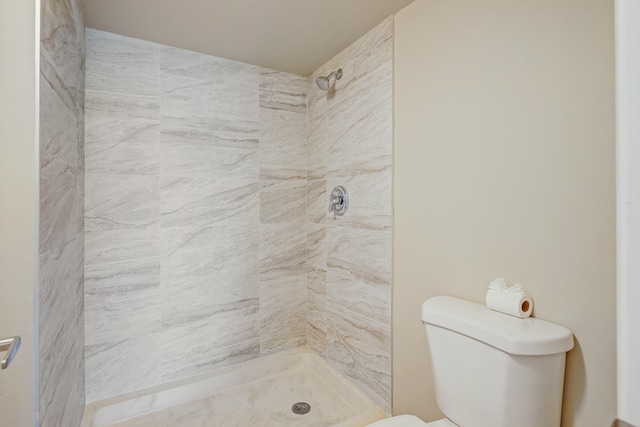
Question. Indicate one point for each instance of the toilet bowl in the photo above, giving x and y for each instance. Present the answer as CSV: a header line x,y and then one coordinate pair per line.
x,y
491,369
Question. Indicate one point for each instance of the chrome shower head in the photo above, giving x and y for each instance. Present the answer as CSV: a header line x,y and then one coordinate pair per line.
x,y
323,82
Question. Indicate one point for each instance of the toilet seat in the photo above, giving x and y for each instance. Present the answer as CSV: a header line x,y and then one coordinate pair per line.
x,y
411,421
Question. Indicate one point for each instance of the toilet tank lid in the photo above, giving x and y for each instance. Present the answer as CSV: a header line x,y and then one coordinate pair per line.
x,y
526,337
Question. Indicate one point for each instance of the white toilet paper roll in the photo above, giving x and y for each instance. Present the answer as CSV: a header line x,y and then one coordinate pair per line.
x,y
516,304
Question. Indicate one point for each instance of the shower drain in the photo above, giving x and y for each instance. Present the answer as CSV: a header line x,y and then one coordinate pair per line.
x,y
301,408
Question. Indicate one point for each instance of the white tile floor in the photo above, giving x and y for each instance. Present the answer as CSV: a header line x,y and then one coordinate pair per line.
x,y
255,393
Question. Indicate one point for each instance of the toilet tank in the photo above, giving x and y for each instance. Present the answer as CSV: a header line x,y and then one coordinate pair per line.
x,y
495,370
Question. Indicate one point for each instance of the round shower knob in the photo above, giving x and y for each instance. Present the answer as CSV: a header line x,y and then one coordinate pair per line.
x,y
338,200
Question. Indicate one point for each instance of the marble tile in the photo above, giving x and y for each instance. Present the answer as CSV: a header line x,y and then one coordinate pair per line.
x,y
362,59
194,101
359,133
69,95
370,201
58,127
75,398
61,200
229,245
208,266
316,320
317,246
209,148
317,142
121,201
110,310
61,336
62,397
317,201
316,328
283,309
349,292
358,263
122,76
283,91
359,117
317,285
361,350
282,125
60,206
358,334
223,285
211,337
61,246
218,88
117,64
127,258
350,142
369,77
176,62
129,363
360,254
209,115
80,144
282,246
213,129
124,105
118,144
283,147
122,284
209,200
62,45
61,297
283,201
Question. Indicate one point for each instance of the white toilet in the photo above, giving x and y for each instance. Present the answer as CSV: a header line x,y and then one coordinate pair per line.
x,y
491,369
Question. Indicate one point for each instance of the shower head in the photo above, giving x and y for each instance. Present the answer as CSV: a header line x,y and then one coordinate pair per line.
x,y
323,82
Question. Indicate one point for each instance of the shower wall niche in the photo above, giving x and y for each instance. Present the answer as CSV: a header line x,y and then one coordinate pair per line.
x,y
207,234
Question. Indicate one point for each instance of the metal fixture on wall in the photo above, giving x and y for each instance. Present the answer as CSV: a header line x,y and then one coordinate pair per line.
x,y
339,200
323,82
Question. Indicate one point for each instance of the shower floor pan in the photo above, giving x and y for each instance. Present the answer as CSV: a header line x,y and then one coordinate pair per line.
x,y
260,392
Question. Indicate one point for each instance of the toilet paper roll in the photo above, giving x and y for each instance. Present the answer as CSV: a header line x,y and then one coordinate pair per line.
x,y
518,304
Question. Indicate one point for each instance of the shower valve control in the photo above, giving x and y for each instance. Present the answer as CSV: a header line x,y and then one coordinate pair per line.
x,y
339,200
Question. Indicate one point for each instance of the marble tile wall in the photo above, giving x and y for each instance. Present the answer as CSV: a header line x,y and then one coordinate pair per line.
x,y
195,210
207,237
283,195
349,258
61,246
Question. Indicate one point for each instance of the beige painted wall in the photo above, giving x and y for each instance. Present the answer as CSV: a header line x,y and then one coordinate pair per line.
x,y
18,206
504,166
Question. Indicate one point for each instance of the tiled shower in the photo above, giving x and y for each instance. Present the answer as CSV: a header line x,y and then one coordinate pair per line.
x,y
207,236
195,239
